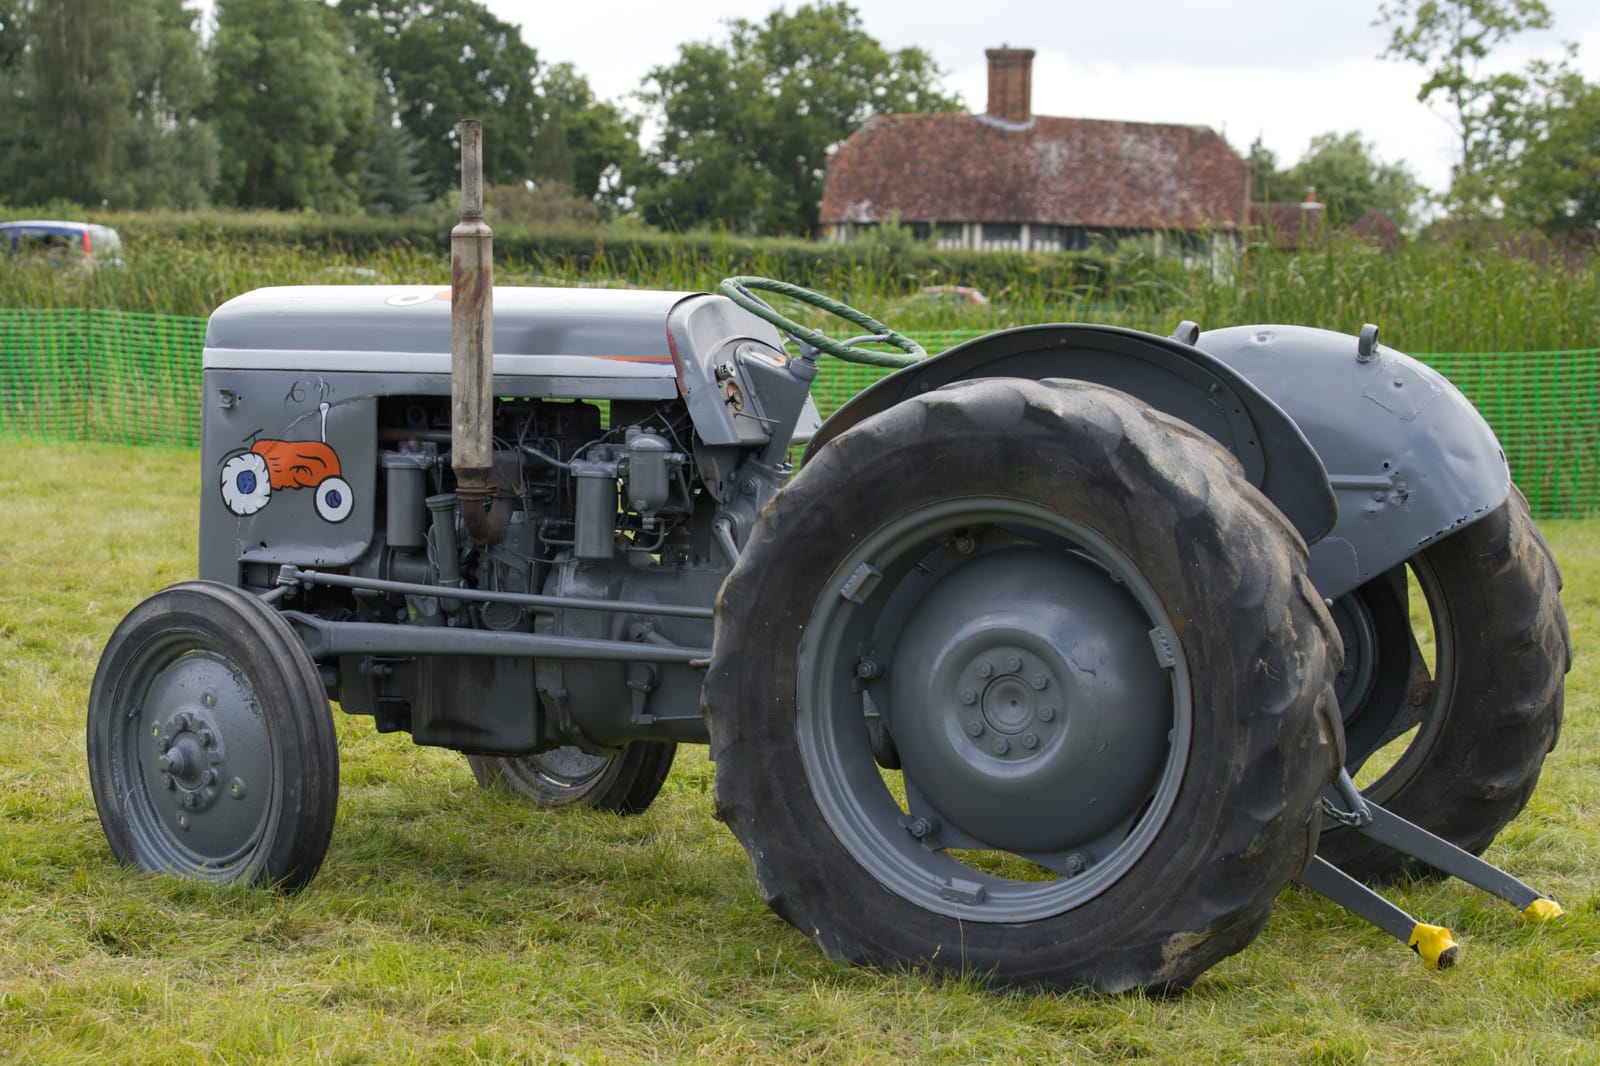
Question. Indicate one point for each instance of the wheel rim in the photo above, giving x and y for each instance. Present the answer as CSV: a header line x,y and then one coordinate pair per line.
x,y
1382,642
192,758
1037,696
567,768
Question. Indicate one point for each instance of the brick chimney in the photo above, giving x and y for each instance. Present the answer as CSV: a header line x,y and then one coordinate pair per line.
x,y
1010,83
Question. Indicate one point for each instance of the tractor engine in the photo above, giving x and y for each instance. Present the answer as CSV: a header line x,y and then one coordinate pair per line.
x,y
579,511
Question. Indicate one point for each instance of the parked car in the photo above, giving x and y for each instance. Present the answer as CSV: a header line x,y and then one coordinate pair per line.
x,y
78,244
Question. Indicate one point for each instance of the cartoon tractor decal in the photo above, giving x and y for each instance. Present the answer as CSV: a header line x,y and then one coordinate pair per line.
x,y
249,478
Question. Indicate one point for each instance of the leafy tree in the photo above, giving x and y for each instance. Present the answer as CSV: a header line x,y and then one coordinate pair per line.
x,y
1550,155
445,60
1450,39
1264,174
293,105
589,145
747,124
393,183
1351,182
110,93
168,156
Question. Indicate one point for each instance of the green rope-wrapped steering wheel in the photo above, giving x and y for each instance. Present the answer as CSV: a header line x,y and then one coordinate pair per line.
x,y
738,289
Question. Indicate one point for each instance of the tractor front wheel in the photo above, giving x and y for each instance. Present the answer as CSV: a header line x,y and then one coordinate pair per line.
x,y
1024,679
211,744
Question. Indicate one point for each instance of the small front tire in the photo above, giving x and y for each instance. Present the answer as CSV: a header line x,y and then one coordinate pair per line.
x,y
210,741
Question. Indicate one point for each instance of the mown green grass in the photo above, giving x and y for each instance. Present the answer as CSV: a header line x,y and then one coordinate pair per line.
x,y
450,925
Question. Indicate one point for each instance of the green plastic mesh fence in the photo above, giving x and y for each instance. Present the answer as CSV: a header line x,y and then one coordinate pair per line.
x,y
126,378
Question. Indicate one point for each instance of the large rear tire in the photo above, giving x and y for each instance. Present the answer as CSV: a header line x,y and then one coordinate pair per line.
x,y
624,783
211,745
1464,740
1089,647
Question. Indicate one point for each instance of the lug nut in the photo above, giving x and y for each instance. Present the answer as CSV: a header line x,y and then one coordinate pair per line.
x,y
920,827
985,670
975,728
1001,745
867,669
1047,714
1075,864
1013,663
1030,741
167,782
968,697
1039,682
209,777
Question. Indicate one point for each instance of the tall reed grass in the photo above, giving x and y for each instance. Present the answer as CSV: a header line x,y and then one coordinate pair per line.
x,y
1427,297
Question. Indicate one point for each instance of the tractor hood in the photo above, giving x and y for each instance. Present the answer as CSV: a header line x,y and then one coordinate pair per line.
x,y
406,329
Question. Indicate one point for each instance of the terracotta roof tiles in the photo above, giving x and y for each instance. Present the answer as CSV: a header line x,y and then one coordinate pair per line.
x,y
1054,171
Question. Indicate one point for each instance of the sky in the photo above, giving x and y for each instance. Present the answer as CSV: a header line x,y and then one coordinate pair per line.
x,y
1283,70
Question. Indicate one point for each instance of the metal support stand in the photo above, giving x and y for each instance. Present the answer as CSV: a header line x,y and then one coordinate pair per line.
x,y
1344,804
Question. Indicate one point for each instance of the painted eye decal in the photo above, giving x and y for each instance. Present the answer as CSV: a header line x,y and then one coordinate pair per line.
x,y
334,499
245,485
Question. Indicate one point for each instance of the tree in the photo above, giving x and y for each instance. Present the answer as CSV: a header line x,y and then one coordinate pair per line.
x,y
1550,155
445,60
1450,39
109,95
747,125
293,105
1351,182
586,144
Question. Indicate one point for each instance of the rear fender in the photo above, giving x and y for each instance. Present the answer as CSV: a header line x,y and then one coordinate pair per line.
x,y
1179,379
1408,456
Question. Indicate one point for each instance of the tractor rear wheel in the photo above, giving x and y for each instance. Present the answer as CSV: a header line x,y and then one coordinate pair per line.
x,y
1023,679
1460,740
211,744
624,783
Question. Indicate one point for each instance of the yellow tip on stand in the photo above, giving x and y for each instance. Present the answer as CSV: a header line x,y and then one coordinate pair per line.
x,y
1542,909
1435,944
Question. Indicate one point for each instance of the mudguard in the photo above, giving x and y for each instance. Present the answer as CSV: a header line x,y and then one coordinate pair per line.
x,y
1409,458
1182,380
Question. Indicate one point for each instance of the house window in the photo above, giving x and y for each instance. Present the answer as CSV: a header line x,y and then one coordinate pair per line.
x,y
952,235
1002,236
920,231
1044,238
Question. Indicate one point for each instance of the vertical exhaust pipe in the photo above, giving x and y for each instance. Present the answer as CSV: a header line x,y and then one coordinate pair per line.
x,y
472,345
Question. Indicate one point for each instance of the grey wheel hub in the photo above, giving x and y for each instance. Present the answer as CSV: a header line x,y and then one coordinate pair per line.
x,y
205,759
1038,724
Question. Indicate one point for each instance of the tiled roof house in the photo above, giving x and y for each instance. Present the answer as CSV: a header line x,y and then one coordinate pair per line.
x,y
1011,179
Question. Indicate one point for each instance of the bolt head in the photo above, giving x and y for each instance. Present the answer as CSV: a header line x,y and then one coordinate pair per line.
x,y
1013,663
236,788
1075,864
985,669
207,737
167,782
1000,746
920,828
968,697
975,728
1030,741
1047,714
209,777
1039,682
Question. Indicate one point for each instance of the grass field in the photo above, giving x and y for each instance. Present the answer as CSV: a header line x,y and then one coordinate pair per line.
x,y
450,925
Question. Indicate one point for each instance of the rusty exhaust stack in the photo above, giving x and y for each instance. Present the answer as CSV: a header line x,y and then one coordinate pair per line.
x,y
472,345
